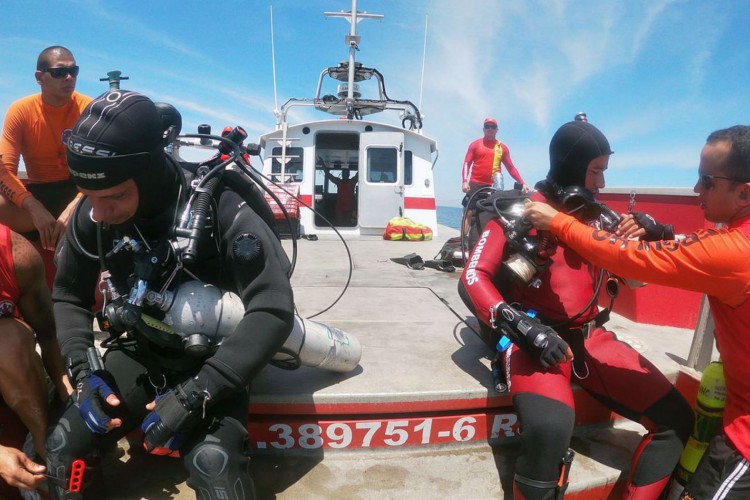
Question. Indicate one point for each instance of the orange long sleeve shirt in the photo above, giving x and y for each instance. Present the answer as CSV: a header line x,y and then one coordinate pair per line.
x,y
37,132
712,261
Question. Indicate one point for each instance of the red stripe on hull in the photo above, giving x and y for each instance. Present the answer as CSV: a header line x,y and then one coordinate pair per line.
x,y
588,410
419,203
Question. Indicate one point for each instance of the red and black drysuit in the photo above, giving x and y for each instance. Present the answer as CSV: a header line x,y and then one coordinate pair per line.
x,y
610,370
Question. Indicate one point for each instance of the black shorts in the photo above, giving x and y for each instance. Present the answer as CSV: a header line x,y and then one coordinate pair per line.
x,y
722,474
473,188
55,196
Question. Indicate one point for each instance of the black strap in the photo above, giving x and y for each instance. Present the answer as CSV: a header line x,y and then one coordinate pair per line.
x,y
576,341
534,483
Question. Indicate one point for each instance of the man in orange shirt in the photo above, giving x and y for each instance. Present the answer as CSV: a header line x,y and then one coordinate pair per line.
x,y
36,128
712,261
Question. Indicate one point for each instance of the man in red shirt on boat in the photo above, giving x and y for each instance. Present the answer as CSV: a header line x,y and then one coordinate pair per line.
x,y
482,165
37,128
346,202
552,318
711,261
25,311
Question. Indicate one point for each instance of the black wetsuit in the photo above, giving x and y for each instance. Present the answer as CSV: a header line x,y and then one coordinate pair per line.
x,y
240,253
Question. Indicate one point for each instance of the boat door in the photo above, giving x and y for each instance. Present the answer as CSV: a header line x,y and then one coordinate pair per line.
x,y
381,178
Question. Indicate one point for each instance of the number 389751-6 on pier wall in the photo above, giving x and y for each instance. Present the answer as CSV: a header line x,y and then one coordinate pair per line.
x,y
311,434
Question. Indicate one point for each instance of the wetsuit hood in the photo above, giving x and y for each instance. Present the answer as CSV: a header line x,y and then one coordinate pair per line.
x,y
571,150
119,136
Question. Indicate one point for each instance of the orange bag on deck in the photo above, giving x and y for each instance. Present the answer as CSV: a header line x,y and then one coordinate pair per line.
x,y
401,228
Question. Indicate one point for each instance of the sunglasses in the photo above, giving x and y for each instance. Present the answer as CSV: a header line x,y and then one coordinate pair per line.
x,y
490,126
62,72
707,181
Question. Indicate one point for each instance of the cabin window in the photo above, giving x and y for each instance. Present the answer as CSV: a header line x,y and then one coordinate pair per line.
x,y
293,170
408,158
382,165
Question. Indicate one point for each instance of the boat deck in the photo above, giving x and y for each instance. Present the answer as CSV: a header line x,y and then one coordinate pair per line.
x,y
418,416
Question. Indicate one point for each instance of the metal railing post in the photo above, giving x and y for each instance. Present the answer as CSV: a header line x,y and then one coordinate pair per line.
x,y
703,339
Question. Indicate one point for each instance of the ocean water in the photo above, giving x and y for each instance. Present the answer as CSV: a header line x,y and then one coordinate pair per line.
x,y
450,216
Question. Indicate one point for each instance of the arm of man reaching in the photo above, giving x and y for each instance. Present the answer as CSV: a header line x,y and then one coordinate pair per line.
x,y
257,267
35,305
512,170
467,166
539,341
712,261
73,294
19,471
640,225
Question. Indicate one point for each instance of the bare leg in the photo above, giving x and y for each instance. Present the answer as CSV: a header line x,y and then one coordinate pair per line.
x,y
22,381
467,221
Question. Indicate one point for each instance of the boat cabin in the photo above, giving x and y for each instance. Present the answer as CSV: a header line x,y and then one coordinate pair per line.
x,y
356,175
352,174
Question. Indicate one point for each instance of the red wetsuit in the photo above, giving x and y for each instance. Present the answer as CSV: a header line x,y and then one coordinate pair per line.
x,y
9,291
610,370
713,261
483,159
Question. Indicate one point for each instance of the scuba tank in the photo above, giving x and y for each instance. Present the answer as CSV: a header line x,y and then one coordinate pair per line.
x,y
203,315
709,409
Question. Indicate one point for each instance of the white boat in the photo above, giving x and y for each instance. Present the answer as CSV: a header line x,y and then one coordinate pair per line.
x,y
419,416
393,164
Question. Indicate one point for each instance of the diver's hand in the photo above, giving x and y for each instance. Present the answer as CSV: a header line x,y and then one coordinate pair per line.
x,y
629,228
93,396
538,340
654,231
178,411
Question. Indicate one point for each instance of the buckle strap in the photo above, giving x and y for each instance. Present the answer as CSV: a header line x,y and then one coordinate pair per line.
x,y
534,483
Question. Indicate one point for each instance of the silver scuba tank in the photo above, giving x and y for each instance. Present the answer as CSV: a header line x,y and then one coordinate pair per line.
x,y
203,315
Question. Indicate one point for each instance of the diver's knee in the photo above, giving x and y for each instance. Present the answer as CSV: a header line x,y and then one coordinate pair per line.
x,y
219,473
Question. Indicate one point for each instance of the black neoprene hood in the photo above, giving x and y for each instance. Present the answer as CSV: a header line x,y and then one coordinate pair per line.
x,y
571,150
117,137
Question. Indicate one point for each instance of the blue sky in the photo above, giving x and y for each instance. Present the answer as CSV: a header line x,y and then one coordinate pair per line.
x,y
656,76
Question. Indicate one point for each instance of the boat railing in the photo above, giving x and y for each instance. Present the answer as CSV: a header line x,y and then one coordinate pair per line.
x,y
409,115
702,346
348,102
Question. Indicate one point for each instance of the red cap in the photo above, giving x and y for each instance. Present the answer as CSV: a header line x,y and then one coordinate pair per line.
x,y
227,130
490,120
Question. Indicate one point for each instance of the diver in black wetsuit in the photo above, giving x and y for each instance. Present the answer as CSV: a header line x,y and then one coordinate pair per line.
x,y
188,393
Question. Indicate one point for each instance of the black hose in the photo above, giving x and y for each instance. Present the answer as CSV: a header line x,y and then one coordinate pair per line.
x,y
200,207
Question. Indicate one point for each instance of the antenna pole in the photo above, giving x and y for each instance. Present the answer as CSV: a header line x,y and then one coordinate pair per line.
x,y
424,58
276,112
352,40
